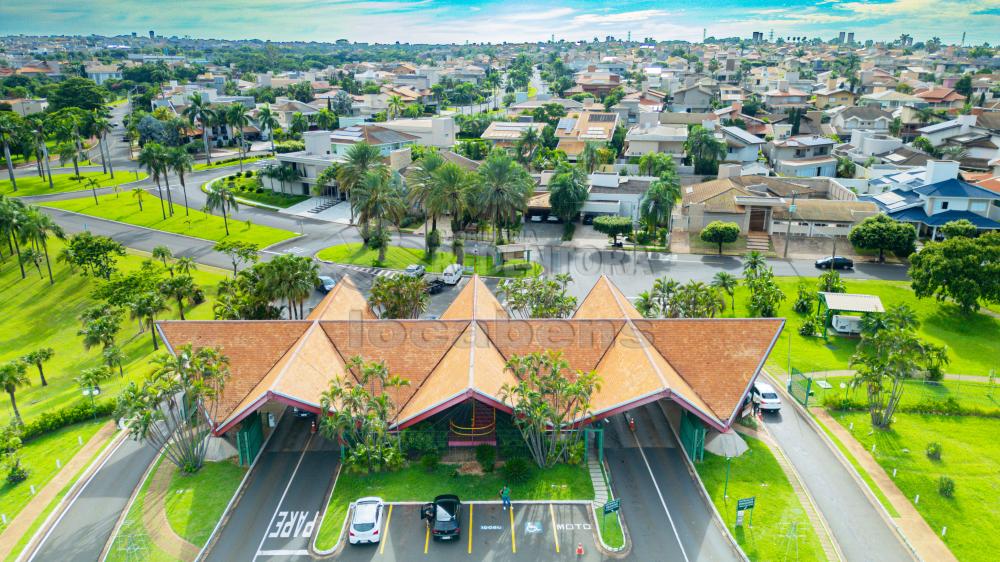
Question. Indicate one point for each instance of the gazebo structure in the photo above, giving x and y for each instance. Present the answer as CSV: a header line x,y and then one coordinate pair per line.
x,y
705,366
847,302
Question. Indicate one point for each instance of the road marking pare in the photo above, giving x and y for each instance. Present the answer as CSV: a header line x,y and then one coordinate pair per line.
x,y
293,524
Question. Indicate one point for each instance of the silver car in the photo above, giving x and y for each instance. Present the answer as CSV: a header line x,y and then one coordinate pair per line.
x,y
367,521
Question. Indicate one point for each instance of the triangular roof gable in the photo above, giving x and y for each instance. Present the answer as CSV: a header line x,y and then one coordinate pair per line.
x,y
343,302
605,300
475,300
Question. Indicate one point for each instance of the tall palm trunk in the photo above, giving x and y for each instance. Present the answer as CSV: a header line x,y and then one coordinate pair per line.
x,y
240,150
13,405
48,163
170,198
163,209
270,133
187,209
180,305
152,331
17,250
225,220
107,149
204,138
100,150
48,263
10,165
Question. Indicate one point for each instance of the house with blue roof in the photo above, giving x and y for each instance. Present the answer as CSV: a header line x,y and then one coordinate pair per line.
x,y
938,201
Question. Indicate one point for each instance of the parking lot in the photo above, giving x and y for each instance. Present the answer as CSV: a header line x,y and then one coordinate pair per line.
x,y
535,531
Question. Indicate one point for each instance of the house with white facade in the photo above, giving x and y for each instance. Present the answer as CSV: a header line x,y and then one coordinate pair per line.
x,y
741,147
654,137
861,118
803,156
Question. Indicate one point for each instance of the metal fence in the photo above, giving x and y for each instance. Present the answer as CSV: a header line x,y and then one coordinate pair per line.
x,y
800,387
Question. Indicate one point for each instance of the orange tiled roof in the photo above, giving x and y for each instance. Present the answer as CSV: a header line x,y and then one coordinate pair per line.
x,y
705,365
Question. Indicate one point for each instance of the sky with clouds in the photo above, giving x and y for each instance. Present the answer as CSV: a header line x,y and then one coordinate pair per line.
x,y
459,21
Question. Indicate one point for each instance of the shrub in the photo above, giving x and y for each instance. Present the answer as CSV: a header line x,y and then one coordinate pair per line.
x,y
809,328
56,419
430,461
568,229
934,451
517,470
576,453
15,472
805,300
946,487
486,456
417,442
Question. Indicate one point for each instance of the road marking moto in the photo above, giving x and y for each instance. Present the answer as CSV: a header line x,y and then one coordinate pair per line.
x,y
385,535
555,535
283,494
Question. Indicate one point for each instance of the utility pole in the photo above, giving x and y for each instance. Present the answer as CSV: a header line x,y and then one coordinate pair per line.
x,y
788,228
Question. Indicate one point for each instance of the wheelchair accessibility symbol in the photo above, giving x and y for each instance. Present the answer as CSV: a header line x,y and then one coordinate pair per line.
x,y
532,527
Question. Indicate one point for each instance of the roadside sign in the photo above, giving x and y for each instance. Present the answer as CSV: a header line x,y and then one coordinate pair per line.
x,y
745,503
612,506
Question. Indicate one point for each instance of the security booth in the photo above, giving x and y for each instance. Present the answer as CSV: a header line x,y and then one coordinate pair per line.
x,y
836,303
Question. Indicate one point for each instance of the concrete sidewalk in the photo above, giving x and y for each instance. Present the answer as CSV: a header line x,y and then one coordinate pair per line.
x,y
924,540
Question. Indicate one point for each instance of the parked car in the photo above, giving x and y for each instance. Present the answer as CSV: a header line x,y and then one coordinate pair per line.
x,y
536,218
435,286
415,270
303,414
443,516
839,262
766,396
588,219
326,284
367,520
452,274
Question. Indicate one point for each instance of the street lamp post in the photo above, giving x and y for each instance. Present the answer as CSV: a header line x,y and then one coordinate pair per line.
x,y
788,228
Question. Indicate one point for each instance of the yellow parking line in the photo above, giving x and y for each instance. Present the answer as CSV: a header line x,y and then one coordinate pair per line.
x,y
513,540
427,539
555,535
385,535
471,505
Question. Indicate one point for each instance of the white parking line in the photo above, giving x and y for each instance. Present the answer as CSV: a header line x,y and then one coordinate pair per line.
x,y
660,494
282,499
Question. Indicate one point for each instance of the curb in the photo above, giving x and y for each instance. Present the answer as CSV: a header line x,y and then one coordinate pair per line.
x,y
28,552
347,516
868,493
704,493
207,188
626,546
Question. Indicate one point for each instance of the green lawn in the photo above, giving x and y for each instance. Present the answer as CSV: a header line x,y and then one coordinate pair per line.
x,y
975,395
196,502
226,163
756,473
26,301
398,258
132,541
857,466
970,456
973,340
247,188
562,482
39,457
125,208
35,185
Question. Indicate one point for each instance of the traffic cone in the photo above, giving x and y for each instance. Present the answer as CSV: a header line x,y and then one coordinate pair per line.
x,y
312,428
579,549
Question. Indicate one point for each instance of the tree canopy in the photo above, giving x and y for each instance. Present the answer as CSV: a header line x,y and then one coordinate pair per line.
x,y
880,232
965,270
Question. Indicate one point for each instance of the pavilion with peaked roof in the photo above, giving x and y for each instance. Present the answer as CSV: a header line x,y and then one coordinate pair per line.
x,y
705,366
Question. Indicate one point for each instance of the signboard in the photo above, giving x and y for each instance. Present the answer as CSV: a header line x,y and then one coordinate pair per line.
x,y
745,503
612,506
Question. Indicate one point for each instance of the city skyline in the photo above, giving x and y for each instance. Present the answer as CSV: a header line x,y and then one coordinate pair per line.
x,y
460,21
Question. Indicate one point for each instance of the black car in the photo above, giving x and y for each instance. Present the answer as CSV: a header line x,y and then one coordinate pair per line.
x,y
839,262
443,516
435,286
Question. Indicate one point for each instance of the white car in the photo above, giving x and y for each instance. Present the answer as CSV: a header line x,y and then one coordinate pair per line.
x,y
766,396
452,274
367,521
326,284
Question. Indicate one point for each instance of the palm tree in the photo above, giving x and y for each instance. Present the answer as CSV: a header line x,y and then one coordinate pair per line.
x,y
658,202
151,157
421,184
221,198
137,193
13,375
954,152
114,357
526,145
10,126
646,305
178,160
664,290
503,189
93,184
39,122
36,358
359,160
36,229
101,127
395,106
326,119
185,265
31,256
179,287
163,254
237,118
705,150
199,109
68,122
12,216
268,122
589,157
299,123
91,379
753,262
379,199
926,114
726,282
145,308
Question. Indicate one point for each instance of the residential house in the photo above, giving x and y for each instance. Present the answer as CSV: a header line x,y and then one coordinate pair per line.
x,y
891,99
101,73
576,131
438,132
940,198
663,139
24,106
285,108
833,97
861,118
785,97
941,97
695,98
528,106
507,133
803,156
594,82
742,147
866,143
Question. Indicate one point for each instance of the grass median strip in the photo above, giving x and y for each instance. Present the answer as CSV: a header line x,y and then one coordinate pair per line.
x,y
195,502
125,208
62,183
397,257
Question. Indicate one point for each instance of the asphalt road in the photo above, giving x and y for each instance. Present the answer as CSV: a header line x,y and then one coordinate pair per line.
x,y
276,516
859,528
86,526
660,502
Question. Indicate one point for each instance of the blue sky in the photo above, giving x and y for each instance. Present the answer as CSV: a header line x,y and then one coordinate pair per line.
x,y
458,21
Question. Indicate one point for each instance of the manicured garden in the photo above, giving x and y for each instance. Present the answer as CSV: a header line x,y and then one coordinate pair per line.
x,y
227,162
34,185
39,456
195,502
561,482
969,456
973,340
397,257
919,395
125,208
26,301
777,509
250,188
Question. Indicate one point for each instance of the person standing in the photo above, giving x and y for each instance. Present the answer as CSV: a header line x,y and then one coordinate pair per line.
x,y
505,496
756,404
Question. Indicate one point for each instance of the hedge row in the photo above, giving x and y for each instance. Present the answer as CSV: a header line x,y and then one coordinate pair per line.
x,y
58,419
946,407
